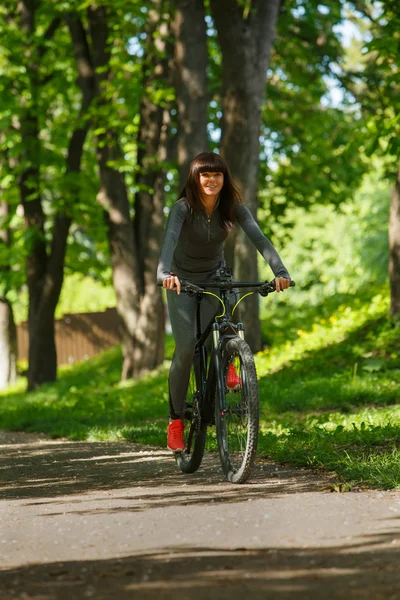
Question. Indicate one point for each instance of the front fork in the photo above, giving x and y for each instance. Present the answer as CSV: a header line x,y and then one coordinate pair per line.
x,y
216,333
216,359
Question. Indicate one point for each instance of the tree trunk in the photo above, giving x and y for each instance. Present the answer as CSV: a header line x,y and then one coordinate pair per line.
x,y
45,271
394,249
191,59
8,345
8,332
134,247
150,199
113,196
42,348
29,186
245,36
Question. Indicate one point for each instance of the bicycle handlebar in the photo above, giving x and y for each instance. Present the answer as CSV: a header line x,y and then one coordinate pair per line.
x,y
262,287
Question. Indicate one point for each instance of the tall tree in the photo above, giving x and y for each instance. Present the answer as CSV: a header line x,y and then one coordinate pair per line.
x,y
246,32
113,195
385,65
307,133
42,351
394,248
376,86
8,333
48,182
150,198
134,245
190,82
8,344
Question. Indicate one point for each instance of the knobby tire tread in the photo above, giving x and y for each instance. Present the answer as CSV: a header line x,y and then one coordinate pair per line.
x,y
190,465
240,475
186,463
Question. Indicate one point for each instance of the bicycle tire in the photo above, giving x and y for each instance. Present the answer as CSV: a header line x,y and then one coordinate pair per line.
x,y
195,429
237,425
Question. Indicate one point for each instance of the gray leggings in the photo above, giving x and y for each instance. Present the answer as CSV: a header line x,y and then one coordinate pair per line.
x,y
182,314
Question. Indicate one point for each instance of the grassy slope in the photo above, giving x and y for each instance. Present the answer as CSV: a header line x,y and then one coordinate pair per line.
x,y
330,397
329,389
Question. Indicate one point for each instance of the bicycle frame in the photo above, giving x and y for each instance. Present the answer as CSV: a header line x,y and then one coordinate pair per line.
x,y
220,333
229,370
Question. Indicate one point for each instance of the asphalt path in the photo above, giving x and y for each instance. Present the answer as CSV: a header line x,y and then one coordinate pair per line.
x,y
118,521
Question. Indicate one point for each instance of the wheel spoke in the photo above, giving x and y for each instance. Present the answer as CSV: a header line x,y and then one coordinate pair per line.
x,y
194,431
237,426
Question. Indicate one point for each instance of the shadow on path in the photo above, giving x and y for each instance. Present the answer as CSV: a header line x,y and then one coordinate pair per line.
x,y
218,573
41,472
47,469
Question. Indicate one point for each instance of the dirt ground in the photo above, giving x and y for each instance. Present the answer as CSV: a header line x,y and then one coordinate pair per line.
x,y
118,521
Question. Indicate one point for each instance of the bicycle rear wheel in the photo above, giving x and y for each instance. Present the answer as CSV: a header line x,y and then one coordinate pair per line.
x,y
195,430
237,412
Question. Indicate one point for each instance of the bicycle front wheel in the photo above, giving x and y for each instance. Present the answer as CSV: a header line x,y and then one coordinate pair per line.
x,y
195,430
237,411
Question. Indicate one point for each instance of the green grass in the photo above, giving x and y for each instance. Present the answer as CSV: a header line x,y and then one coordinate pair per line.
x,y
89,402
329,390
330,398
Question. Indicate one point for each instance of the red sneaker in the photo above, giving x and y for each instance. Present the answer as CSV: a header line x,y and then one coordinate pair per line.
x,y
175,441
233,381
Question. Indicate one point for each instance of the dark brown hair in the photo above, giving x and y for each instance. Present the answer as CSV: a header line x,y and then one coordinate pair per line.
x,y
210,162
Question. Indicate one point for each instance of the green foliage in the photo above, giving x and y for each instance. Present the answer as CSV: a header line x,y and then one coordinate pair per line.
x,y
46,86
336,250
383,71
372,76
307,157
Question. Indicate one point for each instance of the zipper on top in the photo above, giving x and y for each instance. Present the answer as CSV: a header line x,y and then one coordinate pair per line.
x,y
209,219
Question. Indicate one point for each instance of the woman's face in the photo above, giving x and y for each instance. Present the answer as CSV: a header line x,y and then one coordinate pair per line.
x,y
210,184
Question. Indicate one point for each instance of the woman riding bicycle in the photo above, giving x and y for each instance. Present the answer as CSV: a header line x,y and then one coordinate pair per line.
x,y
209,207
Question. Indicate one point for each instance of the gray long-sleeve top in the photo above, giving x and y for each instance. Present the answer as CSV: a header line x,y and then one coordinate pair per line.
x,y
193,245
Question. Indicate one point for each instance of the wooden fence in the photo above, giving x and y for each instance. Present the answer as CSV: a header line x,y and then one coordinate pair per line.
x,y
78,336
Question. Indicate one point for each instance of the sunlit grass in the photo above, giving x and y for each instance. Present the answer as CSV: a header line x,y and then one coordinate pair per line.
x,y
330,397
329,394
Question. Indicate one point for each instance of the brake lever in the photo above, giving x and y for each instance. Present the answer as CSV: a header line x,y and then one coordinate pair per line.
x,y
270,286
190,289
267,288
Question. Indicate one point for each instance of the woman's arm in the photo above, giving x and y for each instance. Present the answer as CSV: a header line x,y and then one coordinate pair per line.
x,y
176,218
262,243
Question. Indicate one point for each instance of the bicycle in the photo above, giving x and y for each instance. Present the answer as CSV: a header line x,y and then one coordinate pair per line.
x,y
210,401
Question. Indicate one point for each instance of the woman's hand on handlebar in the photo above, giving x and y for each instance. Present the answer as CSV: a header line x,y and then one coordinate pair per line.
x,y
172,283
281,283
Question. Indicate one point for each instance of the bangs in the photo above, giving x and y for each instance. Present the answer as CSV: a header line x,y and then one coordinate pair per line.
x,y
209,162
